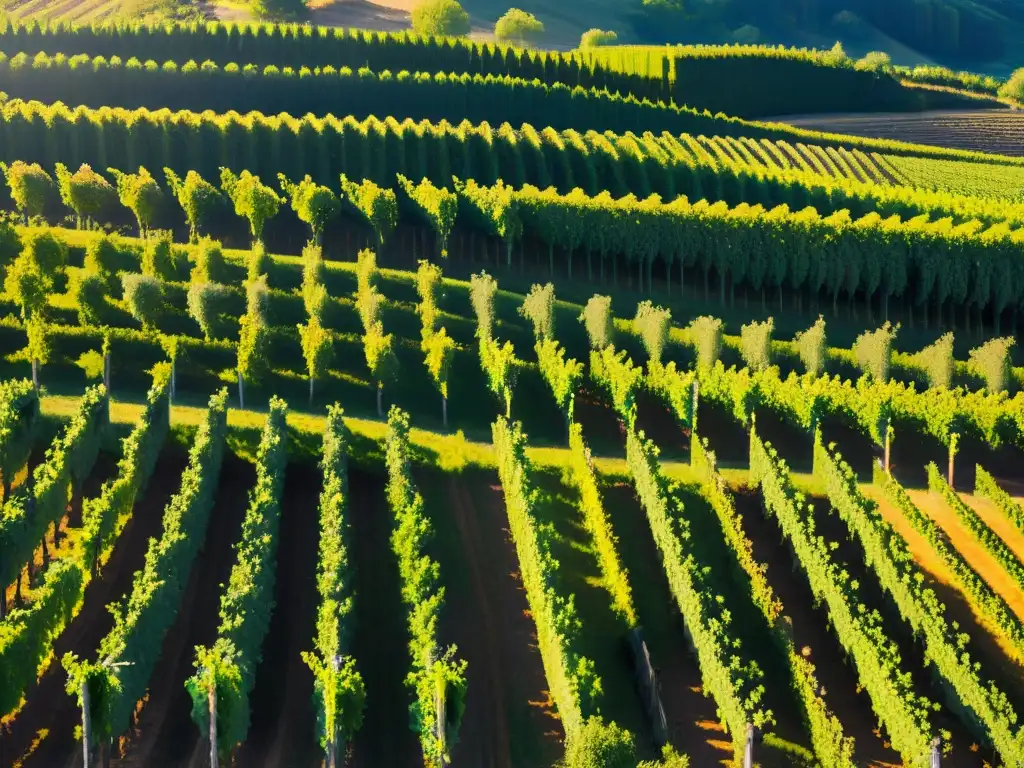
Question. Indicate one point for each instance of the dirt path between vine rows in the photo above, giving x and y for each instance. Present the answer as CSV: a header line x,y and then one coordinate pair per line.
x,y
165,734
43,732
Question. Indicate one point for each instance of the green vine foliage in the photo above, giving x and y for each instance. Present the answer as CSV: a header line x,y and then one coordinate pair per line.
x,y
377,205
574,685
210,266
439,352
435,673
317,349
85,192
831,746
936,362
247,601
101,258
19,420
428,285
159,259
984,708
314,204
128,653
26,286
539,308
597,319
253,200
482,289
369,300
495,210
501,367
984,485
143,298
205,303
706,335
47,253
756,344
873,351
651,323
676,389
197,197
30,186
734,682
140,194
562,376
314,272
616,375
338,688
812,347
900,710
253,334
991,362
435,206
88,291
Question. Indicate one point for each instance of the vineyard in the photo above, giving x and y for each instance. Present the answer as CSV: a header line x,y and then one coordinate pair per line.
x,y
377,400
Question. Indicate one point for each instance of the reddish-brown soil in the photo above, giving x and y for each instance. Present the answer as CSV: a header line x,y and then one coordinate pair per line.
x,y
839,683
693,724
933,505
283,726
380,642
660,424
600,423
48,709
165,734
1000,524
988,644
510,719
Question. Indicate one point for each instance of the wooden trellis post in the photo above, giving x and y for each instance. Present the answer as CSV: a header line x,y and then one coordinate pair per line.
x,y
647,683
86,723
212,699
748,748
936,761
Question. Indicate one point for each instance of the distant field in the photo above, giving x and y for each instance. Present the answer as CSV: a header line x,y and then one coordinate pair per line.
x,y
997,131
953,176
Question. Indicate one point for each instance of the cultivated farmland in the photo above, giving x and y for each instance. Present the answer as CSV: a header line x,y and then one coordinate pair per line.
x,y
506,413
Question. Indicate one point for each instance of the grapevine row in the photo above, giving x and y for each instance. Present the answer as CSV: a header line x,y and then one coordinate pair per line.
x,y
19,418
27,635
338,689
226,670
67,464
985,536
981,705
831,746
903,714
985,485
986,603
734,682
117,679
438,677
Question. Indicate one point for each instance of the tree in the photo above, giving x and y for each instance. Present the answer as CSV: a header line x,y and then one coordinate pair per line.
x,y
38,347
30,185
196,196
482,288
10,241
991,362
143,297
253,200
47,252
314,292
85,192
594,38
1013,88
873,351
519,27
26,286
439,352
317,349
501,367
379,206
539,308
313,204
101,257
437,206
252,336
140,194
380,359
652,324
706,335
159,258
428,284
210,266
601,745
205,302
88,291
440,18
812,347
756,344
936,362
597,319
874,61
